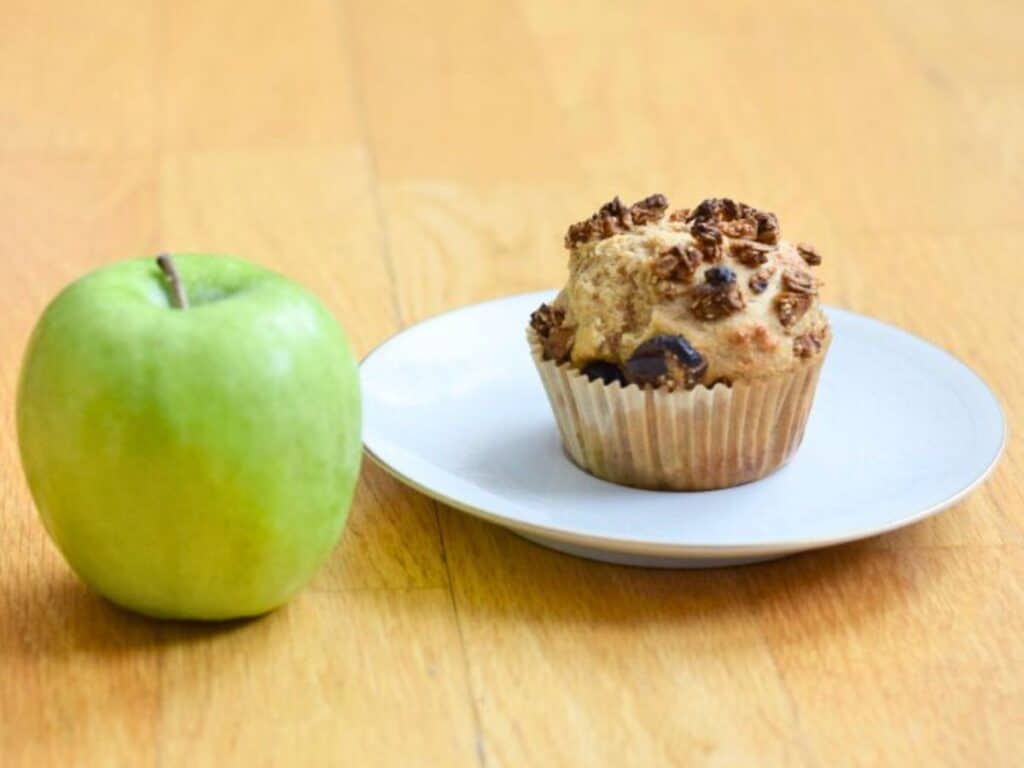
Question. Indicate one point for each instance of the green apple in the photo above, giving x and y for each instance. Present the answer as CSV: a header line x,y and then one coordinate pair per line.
x,y
191,437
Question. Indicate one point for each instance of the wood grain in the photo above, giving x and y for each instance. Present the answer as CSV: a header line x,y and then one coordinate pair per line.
x,y
401,159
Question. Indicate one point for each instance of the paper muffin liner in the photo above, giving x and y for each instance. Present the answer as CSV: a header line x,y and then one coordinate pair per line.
x,y
686,440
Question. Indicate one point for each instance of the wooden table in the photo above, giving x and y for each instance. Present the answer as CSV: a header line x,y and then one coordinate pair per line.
x,y
403,158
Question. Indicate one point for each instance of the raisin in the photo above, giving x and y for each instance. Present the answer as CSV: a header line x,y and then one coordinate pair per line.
x,y
720,276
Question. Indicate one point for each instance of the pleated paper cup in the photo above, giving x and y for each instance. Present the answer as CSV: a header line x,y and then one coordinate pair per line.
x,y
686,440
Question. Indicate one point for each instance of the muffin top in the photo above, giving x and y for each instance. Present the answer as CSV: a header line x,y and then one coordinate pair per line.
x,y
676,299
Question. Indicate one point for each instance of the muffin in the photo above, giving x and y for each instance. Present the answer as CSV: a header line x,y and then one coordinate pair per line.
x,y
684,351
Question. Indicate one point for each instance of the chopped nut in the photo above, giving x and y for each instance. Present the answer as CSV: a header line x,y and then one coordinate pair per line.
x,y
613,207
706,209
709,240
558,344
736,220
791,307
720,209
806,344
810,253
546,317
613,218
681,215
798,281
713,302
739,228
705,232
649,209
677,263
750,253
767,227
759,280
556,339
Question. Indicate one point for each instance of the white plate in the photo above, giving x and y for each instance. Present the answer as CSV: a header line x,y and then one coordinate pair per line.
x,y
900,430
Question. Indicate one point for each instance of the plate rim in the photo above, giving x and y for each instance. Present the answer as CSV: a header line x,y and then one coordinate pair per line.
x,y
680,549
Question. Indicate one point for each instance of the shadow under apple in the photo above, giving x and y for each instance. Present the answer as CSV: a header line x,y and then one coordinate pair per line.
x,y
56,615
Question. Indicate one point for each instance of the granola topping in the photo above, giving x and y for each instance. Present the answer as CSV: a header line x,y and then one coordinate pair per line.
x,y
717,275
614,217
650,209
791,307
767,227
546,317
740,228
810,254
556,339
750,253
758,282
806,344
678,263
709,239
799,281
713,302
720,209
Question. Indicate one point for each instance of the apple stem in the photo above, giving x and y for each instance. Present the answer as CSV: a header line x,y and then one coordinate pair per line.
x,y
178,297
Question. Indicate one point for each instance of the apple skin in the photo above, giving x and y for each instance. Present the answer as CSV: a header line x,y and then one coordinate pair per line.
x,y
190,463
